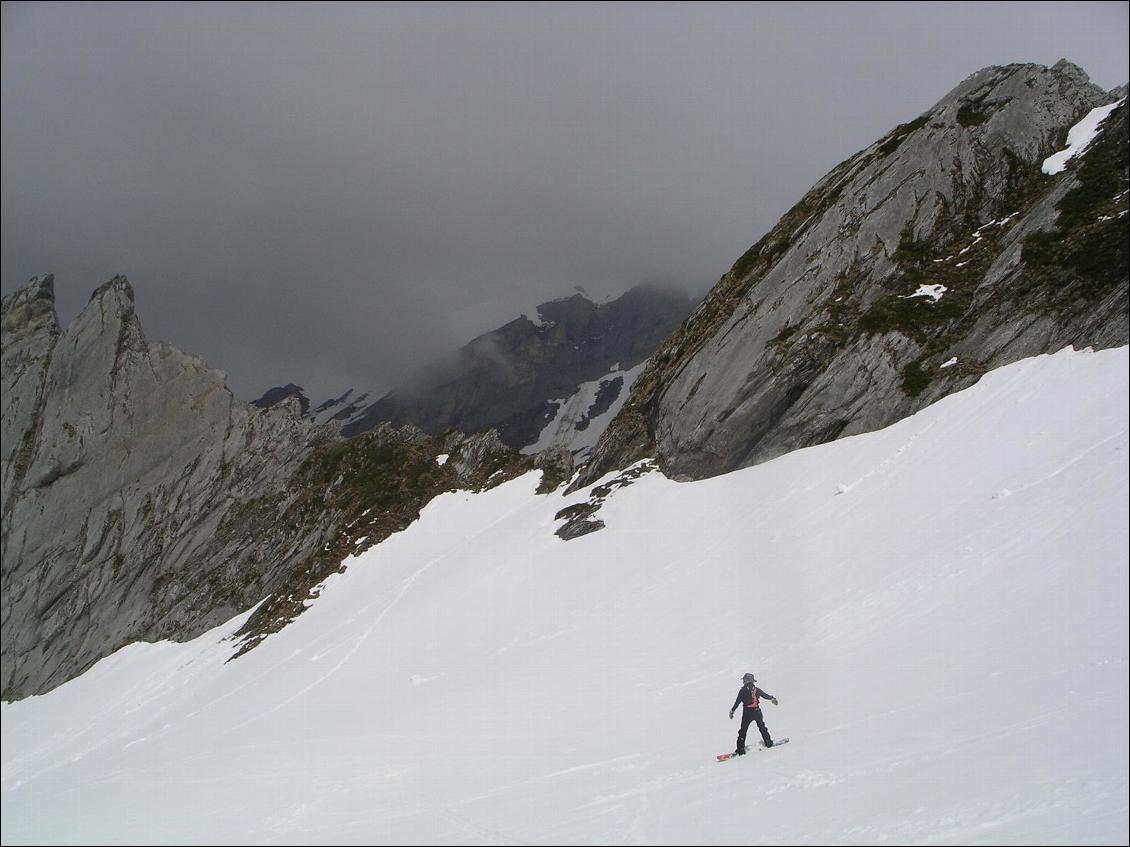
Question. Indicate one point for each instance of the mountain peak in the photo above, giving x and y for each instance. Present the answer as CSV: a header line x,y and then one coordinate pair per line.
x,y
515,378
1065,68
1024,102
31,308
281,393
119,286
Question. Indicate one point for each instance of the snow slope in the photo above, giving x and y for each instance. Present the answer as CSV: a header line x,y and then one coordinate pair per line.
x,y
561,430
1079,138
941,608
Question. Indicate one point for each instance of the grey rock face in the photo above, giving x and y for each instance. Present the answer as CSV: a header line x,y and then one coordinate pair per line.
x,y
816,333
30,331
121,460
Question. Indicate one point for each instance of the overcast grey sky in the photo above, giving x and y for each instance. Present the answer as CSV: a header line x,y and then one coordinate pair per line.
x,y
332,194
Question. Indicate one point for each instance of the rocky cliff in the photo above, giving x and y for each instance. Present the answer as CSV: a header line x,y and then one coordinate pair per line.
x,y
940,251
142,500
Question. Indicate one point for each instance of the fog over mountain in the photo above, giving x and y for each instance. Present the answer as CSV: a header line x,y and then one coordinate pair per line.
x,y
333,195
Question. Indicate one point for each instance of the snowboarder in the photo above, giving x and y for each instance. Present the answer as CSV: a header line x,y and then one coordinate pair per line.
x,y
750,696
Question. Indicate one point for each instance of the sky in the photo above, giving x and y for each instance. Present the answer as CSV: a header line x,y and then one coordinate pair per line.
x,y
335,194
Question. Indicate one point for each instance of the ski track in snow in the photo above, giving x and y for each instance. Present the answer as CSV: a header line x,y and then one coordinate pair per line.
x,y
357,643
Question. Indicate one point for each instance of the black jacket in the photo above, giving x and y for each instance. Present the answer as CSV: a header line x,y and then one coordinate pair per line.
x,y
750,696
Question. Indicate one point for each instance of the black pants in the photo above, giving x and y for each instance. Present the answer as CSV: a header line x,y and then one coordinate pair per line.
x,y
750,716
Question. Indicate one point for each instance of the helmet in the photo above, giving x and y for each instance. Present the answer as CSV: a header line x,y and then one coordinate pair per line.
x,y
748,678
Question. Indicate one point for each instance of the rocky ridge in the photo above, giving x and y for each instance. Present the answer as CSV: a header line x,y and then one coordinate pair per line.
x,y
936,253
143,501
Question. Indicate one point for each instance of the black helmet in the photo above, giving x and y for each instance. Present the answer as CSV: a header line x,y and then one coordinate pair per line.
x,y
747,678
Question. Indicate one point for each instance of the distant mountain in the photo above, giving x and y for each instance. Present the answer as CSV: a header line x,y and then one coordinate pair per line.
x,y
344,408
554,381
958,242
278,395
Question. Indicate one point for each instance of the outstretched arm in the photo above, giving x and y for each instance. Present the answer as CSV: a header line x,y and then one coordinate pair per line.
x,y
767,696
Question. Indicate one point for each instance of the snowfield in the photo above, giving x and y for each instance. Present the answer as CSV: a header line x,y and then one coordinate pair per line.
x,y
941,608
1079,138
561,430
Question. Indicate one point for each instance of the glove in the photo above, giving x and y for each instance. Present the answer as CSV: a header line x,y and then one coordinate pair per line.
x,y
775,703
731,714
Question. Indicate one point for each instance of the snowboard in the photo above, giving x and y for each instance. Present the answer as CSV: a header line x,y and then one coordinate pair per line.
x,y
725,757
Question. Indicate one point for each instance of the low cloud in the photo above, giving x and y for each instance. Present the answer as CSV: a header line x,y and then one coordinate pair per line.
x,y
333,195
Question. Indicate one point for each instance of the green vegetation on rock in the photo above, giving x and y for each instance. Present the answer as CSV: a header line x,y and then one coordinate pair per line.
x,y
900,133
969,115
1087,254
915,378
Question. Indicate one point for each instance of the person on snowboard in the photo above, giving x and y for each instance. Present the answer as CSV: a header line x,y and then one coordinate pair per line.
x,y
750,696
